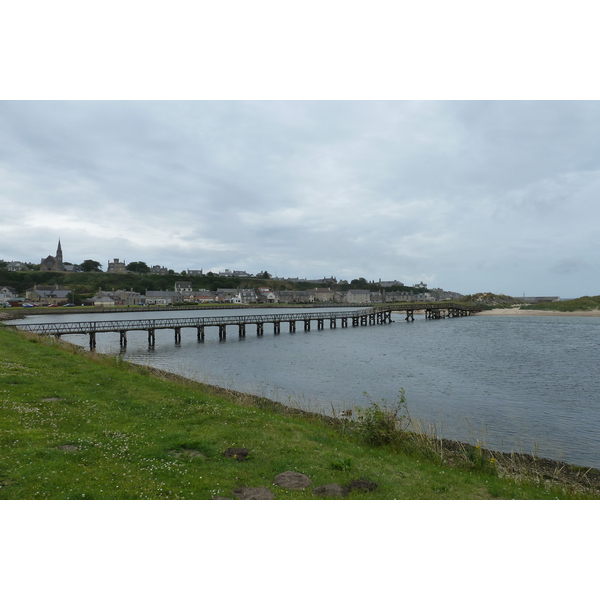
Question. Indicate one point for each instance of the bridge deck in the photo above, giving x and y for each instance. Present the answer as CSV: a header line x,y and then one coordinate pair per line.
x,y
370,316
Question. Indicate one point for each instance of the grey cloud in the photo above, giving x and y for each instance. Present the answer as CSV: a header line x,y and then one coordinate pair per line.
x,y
454,190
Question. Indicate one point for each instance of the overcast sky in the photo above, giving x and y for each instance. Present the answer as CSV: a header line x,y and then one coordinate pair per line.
x,y
468,196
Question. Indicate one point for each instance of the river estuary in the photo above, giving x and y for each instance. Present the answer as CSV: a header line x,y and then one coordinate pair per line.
x,y
525,384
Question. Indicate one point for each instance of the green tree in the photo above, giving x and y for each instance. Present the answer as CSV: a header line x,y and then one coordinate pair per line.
x,y
360,282
91,266
138,267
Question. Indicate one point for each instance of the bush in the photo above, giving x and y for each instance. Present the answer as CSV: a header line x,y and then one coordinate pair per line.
x,y
380,424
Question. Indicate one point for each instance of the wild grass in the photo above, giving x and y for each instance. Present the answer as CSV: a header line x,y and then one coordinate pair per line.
x,y
78,425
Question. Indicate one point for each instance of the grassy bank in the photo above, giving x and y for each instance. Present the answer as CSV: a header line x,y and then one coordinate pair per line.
x,y
80,426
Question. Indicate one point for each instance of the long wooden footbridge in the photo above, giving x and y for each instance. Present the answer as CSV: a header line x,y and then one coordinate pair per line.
x,y
371,316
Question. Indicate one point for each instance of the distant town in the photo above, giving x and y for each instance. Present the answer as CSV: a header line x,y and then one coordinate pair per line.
x,y
56,282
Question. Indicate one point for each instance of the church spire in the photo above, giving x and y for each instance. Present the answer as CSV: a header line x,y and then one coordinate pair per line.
x,y
59,255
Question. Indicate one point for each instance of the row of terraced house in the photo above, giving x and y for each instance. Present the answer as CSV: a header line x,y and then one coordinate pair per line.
x,y
184,293
41,295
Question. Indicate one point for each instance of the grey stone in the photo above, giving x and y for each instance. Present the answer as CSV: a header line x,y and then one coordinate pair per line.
x,y
292,480
258,493
331,490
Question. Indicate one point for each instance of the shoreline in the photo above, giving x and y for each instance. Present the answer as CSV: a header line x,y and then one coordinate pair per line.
x,y
518,466
515,466
517,312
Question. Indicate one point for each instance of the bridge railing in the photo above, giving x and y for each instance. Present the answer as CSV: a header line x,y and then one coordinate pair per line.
x,y
83,327
170,323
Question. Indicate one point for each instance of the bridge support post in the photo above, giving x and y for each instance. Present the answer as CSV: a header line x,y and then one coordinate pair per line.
x,y
320,323
292,326
354,321
123,339
201,333
332,323
222,332
276,326
92,340
242,328
260,329
306,324
410,315
151,338
178,335
344,321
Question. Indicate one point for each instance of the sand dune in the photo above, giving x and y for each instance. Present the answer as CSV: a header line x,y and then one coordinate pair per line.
x,y
537,313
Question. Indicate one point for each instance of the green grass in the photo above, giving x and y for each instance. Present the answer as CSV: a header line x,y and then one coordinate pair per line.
x,y
79,426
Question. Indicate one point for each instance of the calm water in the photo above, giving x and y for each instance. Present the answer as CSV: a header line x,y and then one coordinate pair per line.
x,y
514,383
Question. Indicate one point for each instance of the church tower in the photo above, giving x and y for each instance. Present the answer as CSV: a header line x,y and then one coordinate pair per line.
x,y
53,263
59,258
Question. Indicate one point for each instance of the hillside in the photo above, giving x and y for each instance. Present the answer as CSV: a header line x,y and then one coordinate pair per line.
x,y
87,284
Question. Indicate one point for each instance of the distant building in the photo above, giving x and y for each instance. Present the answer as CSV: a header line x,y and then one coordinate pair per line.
x,y
158,270
102,299
247,296
6,293
48,294
199,297
183,286
163,298
53,263
323,294
358,297
266,295
116,266
194,272
295,296
229,273
116,298
229,295
16,265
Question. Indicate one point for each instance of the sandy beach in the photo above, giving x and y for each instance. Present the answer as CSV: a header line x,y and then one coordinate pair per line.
x,y
516,312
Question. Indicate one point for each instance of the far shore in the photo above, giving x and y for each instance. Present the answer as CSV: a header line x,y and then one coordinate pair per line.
x,y
500,312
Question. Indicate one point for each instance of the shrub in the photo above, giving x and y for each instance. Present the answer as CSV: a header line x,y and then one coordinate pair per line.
x,y
380,424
